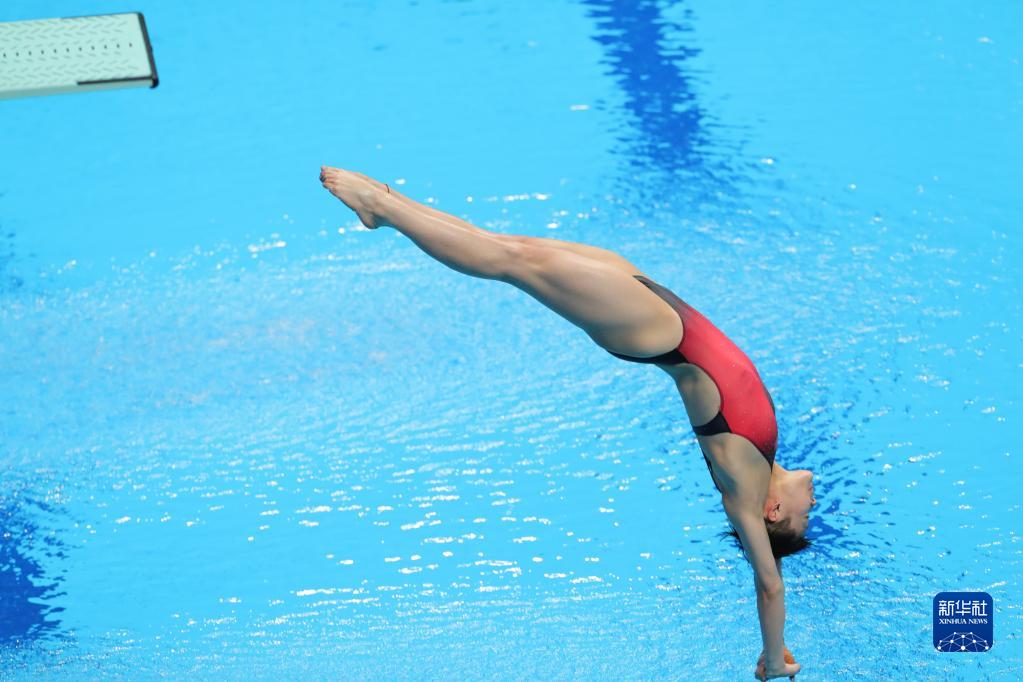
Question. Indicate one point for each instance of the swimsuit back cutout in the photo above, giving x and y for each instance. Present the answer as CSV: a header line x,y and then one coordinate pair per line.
x,y
746,406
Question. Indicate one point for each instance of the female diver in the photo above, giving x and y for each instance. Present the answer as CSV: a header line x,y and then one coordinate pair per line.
x,y
634,318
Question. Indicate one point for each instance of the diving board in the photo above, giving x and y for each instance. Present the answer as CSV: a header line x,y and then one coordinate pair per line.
x,y
76,54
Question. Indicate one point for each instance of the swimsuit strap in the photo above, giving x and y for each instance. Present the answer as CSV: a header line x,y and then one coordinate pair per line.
x,y
714,426
672,357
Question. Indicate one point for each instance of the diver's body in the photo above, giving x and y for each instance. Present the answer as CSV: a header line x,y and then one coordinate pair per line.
x,y
634,318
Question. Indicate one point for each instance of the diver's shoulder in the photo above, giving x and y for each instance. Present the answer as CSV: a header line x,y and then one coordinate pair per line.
x,y
737,460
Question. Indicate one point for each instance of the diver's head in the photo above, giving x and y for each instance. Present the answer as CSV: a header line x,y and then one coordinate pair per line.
x,y
790,496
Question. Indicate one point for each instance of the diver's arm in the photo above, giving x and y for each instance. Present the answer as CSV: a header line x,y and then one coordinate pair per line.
x,y
769,587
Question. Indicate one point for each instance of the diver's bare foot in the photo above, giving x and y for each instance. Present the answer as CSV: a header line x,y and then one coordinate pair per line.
x,y
361,193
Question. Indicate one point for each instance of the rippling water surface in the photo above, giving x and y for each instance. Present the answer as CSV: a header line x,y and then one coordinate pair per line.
x,y
240,435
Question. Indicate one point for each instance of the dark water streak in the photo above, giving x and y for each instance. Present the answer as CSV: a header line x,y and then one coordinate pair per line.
x,y
26,587
668,134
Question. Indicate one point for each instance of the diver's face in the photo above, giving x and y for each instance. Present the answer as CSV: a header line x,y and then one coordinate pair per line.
x,y
798,496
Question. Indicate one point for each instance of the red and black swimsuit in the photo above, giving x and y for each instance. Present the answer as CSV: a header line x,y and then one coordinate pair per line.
x,y
746,407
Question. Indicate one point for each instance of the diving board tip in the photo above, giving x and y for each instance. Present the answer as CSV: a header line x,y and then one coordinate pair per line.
x,y
75,54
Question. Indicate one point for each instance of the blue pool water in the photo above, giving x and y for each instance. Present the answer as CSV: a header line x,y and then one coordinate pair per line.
x,y
240,436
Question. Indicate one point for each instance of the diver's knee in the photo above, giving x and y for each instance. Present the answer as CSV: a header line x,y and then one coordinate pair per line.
x,y
523,258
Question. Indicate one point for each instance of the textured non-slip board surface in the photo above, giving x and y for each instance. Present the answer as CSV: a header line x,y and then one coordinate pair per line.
x,y
51,56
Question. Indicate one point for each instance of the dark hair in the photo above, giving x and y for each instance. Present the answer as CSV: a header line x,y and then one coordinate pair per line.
x,y
784,540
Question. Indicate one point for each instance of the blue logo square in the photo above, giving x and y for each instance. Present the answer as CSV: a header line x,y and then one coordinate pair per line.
x,y
964,622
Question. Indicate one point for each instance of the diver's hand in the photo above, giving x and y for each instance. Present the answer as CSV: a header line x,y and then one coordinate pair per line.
x,y
789,658
788,669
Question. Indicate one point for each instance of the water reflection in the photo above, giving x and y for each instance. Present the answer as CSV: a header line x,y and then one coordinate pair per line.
x,y
669,130
25,585
8,280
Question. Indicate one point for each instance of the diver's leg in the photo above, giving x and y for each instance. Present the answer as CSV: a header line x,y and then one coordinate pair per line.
x,y
595,252
588,250
606,302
